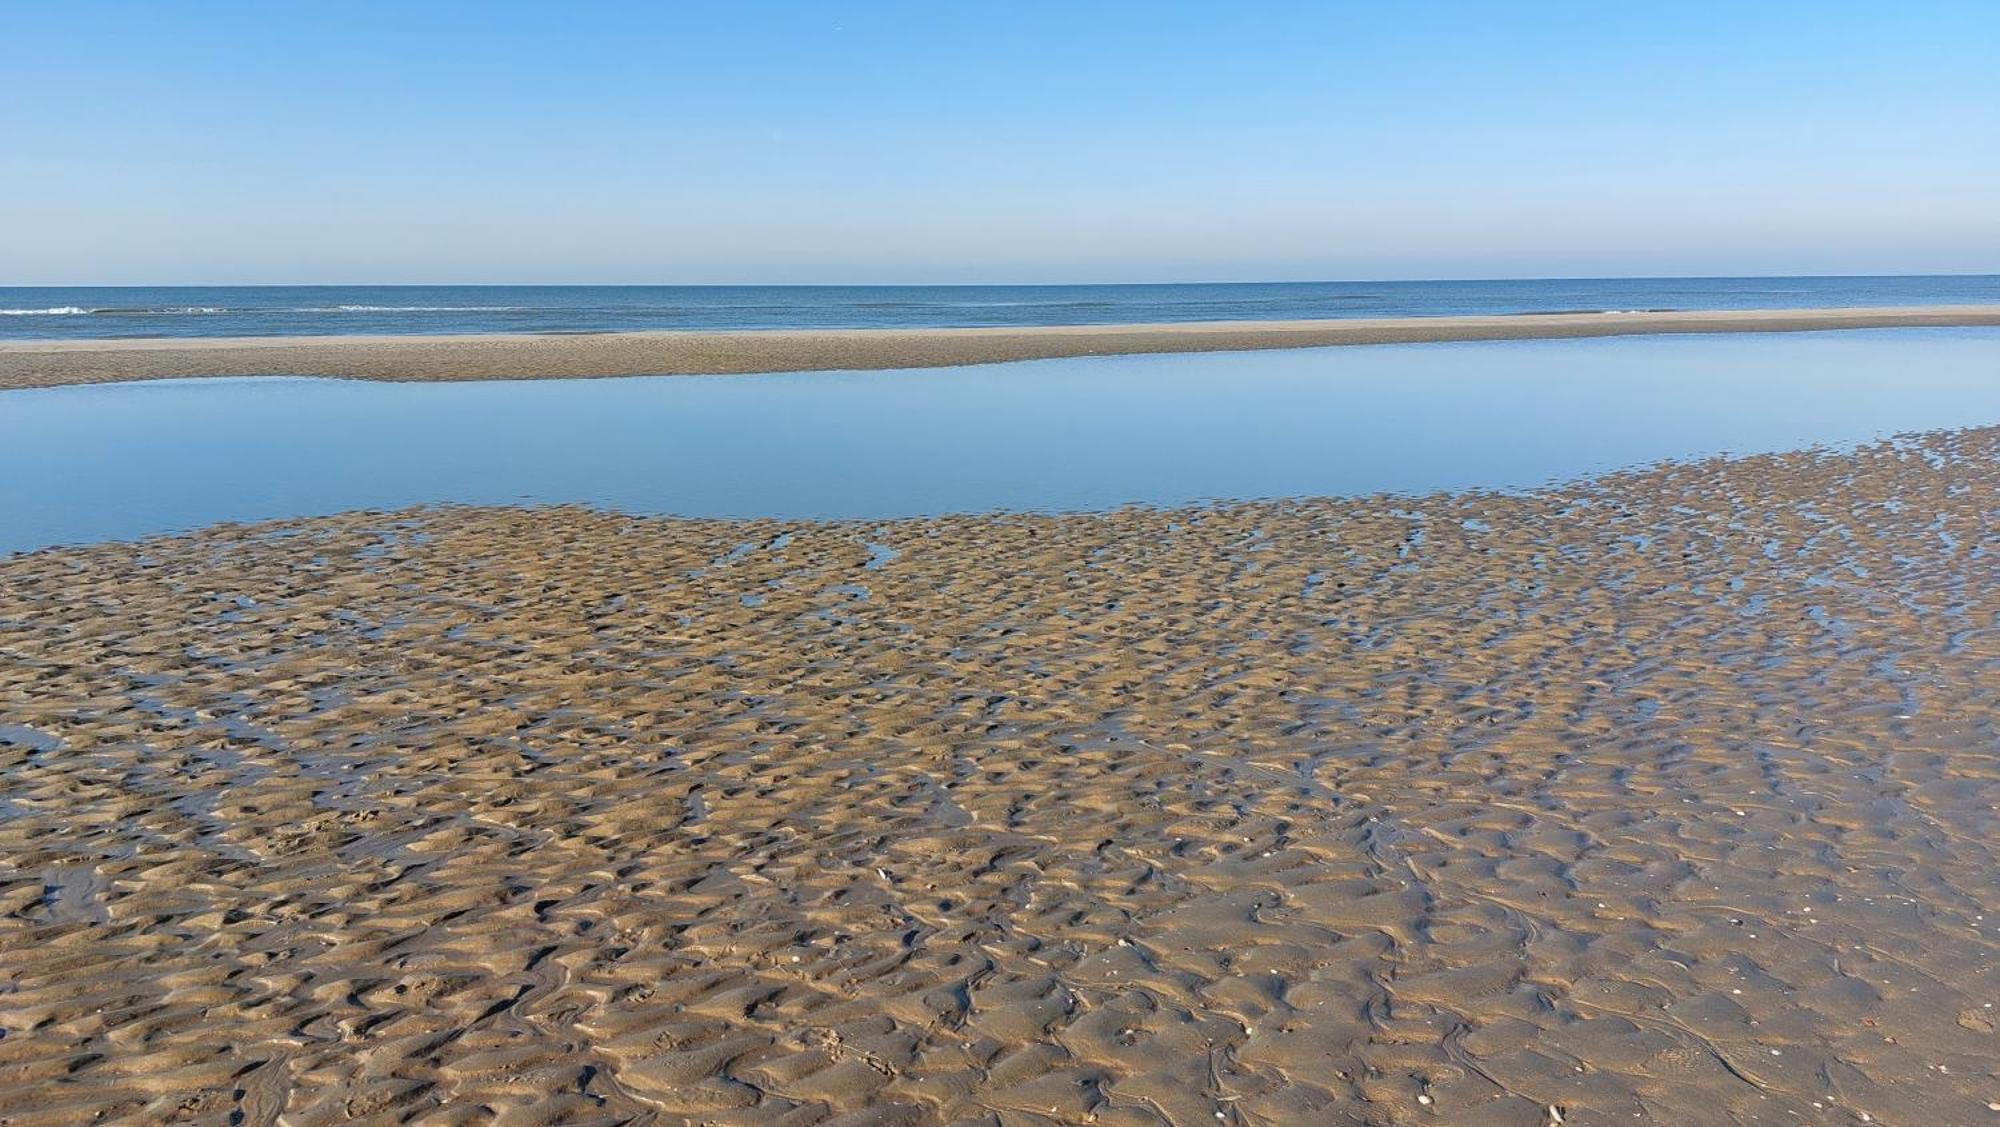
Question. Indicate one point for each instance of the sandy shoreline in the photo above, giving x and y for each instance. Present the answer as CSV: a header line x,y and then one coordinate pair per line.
x,y
1668,797
25,364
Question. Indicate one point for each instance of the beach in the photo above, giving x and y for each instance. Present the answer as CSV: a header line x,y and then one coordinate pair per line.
x,y
1123,565
497,356
1664,796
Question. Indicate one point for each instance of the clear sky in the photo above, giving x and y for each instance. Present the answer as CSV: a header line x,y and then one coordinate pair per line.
x,y
935,142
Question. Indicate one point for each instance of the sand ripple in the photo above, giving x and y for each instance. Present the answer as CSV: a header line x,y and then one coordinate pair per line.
x,y
1670,796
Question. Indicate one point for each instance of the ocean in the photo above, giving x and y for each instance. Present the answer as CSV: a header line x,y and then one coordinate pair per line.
x,y
53,313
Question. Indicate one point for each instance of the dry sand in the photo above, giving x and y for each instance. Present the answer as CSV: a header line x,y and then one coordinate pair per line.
x,y
506,357
1669,796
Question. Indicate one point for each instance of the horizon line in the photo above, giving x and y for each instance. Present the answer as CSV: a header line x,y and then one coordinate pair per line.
x,y
995,285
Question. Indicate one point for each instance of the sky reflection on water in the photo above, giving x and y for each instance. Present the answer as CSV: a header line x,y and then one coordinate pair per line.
x,y
83,464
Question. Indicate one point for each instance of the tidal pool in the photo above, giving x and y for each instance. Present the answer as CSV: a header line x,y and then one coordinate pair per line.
x,y
82,464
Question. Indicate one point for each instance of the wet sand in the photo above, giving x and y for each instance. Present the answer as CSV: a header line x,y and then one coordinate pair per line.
x,y
1670,795
547,356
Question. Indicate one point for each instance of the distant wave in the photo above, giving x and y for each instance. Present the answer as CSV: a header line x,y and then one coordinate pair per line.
x,y
112,311
946,304
1576,312
158,310
1199,301
193,310
408,309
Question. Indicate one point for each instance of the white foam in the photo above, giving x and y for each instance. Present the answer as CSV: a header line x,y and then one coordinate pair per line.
x,y
54,311
405,309
152,310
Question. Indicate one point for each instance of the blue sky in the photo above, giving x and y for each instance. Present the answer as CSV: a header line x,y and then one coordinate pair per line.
x,y
938,142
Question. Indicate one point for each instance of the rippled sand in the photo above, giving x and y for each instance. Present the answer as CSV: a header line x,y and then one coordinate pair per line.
x,y
1669,796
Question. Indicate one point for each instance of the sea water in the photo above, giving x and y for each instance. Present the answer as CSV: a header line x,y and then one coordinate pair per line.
x,y
88,463
186,311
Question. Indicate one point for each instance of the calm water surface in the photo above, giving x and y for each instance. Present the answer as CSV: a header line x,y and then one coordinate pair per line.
x,y
83,464
195,311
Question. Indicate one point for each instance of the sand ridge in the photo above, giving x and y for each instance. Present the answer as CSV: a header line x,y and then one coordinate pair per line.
x,y
1668,796
25,364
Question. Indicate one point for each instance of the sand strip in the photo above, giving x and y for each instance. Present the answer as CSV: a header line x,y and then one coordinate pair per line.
x,y
541,356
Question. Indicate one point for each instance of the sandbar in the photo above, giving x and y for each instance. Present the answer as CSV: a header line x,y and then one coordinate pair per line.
x,y
25,364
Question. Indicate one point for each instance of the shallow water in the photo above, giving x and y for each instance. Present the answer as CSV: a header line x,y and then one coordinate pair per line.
x,y
81,464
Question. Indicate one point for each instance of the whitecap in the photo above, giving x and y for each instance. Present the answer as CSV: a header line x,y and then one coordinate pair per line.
x,y
406,309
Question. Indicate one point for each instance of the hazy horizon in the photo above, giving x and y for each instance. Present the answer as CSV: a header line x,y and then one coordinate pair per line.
x,y
377,144
1046,283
